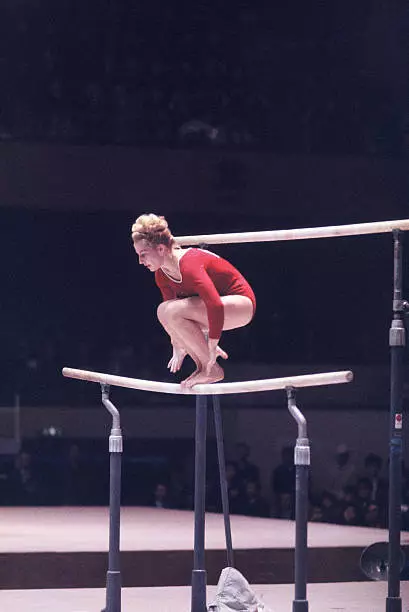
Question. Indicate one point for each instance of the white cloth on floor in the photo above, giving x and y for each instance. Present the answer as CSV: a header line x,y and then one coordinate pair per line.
x,y
235,594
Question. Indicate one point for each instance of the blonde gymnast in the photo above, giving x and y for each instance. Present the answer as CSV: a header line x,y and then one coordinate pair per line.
x,y
203,294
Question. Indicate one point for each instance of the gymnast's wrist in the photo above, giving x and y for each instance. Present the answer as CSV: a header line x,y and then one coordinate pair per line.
x,y
177,348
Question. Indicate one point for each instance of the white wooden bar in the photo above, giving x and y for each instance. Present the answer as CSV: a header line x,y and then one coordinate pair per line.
x,y
249,386
330,231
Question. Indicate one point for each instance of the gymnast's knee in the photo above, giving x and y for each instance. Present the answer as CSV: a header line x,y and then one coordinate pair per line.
x,y
167,311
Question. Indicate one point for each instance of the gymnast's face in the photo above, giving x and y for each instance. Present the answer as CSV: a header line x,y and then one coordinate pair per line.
x,y
152,257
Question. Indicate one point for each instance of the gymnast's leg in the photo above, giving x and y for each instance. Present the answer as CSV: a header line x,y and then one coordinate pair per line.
x,y
179,350
188,334
188,317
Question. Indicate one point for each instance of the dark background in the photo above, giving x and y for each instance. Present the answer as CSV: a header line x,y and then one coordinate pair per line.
x,y
277,115
225,117
73,293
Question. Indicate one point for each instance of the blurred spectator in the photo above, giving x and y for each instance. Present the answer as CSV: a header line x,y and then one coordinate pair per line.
x,y
236,503
330,508
254,504
378,513
364,492
350,495
315,513
350,515
182,482
369,512
374,517
283,485
232,475
341,473
246,471
161,496
234,488
77,482
24,484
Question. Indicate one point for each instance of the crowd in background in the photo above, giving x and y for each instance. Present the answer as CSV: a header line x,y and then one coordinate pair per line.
x,y
154,74
346,494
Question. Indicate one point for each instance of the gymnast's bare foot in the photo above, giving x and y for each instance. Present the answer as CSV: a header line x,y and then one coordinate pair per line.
x,y
185,383
201,378
221,353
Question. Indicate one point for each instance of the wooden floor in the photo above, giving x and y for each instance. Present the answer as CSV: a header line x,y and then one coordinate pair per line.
x,y
66,548
79,529
346,597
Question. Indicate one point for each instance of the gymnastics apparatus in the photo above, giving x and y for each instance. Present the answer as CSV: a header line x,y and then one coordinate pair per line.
x,y
397,341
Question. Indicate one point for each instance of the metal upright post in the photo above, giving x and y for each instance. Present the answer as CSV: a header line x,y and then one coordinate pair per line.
x,y
397,341
199,572
113,585
223,479
302,463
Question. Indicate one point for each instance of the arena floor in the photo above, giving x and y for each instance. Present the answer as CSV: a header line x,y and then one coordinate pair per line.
x,y
331,597
56,559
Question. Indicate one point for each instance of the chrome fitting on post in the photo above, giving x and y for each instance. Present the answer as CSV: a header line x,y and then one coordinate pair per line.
x,y
115,441
302,455
397,333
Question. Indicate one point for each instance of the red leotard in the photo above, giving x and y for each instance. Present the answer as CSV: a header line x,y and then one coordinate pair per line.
x,y
209,276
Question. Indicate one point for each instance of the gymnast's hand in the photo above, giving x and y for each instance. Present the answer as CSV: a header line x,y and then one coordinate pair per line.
x,y
176,360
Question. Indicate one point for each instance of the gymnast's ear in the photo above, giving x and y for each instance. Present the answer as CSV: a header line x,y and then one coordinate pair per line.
x,y
161,249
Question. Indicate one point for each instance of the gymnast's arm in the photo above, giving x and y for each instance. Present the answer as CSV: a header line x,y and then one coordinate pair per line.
x,y
207,291
179,352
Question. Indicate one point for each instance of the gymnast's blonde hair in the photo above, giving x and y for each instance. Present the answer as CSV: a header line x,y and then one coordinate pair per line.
x,y
154,229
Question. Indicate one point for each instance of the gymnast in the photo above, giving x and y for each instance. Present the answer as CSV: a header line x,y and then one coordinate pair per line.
x,y
202,293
